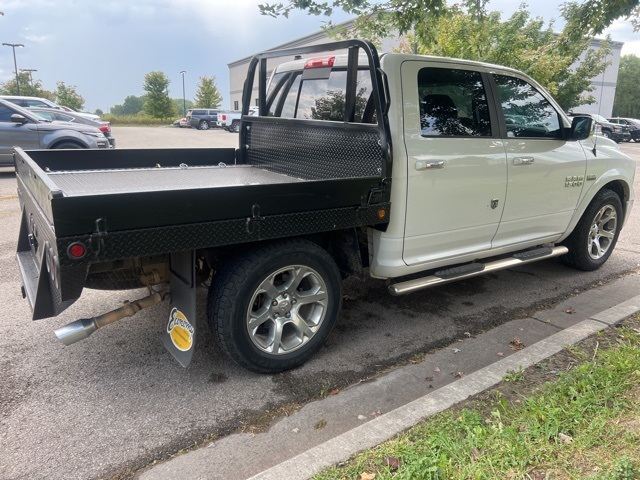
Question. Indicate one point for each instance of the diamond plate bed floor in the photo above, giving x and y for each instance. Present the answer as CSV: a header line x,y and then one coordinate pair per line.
x,y
92,182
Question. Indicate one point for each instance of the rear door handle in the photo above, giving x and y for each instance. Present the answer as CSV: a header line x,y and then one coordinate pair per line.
x,y
522,160
424,165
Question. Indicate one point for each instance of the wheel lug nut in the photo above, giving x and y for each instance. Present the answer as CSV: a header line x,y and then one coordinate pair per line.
x,y
288,315
293,301
274,303
284,295
275,315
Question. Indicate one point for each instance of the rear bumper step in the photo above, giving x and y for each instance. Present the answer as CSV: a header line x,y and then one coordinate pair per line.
x,y
475,269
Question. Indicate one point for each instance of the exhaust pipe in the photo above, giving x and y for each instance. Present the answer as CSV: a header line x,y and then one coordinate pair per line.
x,y
83,328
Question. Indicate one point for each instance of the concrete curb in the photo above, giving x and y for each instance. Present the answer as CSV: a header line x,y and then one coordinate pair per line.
x,y
392,423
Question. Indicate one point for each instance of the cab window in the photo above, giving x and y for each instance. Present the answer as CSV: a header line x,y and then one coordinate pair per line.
x,y
318,94
453,102
526,112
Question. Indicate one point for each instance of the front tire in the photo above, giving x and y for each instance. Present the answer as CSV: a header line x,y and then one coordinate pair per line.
x,y
272,308
595,236
68,145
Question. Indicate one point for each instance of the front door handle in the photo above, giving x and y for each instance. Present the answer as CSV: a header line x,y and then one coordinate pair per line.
x,y
424,165
523,160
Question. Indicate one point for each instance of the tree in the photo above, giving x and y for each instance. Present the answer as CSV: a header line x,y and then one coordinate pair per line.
x,y
207,94
158,104
563,63
626,103
588,18
26,87
67,96
133,105
469,31
178,104
99,112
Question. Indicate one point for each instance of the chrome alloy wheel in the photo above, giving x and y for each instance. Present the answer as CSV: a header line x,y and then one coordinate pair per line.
x,y
602,232
287,309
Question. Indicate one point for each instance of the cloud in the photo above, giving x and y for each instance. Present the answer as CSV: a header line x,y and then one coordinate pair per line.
x,y
37,38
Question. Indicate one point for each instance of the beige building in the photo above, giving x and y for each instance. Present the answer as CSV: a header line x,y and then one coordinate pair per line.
x,y
604,84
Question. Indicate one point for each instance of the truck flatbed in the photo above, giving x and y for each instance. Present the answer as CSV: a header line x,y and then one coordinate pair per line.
x,y
99,182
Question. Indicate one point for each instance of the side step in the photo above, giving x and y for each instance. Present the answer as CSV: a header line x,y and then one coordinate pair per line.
x,y
475,269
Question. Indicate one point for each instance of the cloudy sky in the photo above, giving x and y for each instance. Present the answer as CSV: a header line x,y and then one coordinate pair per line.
x,y
105,47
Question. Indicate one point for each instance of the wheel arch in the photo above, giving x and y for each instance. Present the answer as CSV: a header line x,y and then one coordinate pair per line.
x,y
73,141
618,185
344,246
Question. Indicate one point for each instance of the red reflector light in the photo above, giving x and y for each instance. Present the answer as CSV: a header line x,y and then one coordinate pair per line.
x,y
105,128
320,62
77,250
224,117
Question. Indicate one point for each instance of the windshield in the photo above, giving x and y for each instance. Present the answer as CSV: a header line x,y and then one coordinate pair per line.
x,y
599,118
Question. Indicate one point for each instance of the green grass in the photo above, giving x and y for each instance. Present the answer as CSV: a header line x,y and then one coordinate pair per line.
x,y
585,425
135,120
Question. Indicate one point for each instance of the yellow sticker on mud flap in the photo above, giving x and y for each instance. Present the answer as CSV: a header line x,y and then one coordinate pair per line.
x,y
180,330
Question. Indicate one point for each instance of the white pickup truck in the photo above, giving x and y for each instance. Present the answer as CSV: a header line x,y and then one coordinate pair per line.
x,y
230,120
394,166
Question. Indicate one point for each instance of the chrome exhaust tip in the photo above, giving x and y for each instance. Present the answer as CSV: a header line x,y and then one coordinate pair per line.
x,y
76,331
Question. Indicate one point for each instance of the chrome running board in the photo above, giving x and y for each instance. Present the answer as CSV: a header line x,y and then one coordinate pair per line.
x,y
475,269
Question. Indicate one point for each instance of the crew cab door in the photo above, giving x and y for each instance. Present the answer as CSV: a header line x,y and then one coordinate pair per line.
x,y
456,163
545,172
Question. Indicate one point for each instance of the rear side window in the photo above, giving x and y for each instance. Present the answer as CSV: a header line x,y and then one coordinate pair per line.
x,y
37,103
526,112
319,94
452,103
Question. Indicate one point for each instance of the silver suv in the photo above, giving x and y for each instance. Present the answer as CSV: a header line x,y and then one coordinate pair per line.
x,y
40,102
21,128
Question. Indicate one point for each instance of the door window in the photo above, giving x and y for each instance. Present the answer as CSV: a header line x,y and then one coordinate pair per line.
x,y
452,103
526,112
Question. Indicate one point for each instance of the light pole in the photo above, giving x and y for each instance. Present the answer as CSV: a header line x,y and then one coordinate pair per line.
x,y
29,71
184,99
15,64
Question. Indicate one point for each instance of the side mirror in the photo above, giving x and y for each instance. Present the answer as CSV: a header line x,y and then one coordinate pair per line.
x,y
581,127
17,118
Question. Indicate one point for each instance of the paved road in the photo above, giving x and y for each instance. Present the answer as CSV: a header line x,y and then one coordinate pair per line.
x,y
111,404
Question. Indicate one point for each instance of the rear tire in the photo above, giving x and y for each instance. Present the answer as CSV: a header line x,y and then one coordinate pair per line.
x,y
595,236
273,307
203,125
235,126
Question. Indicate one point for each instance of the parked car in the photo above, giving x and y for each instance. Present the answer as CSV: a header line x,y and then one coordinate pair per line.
x,y
182,123
632,123
64,116
202,118
41,102
230,120
23,128
615,132
90,116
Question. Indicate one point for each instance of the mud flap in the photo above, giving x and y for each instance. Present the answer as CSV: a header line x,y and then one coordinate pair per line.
x,y
180,334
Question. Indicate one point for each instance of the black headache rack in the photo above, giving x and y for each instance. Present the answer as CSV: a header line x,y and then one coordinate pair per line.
x,y
289,178
343,149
